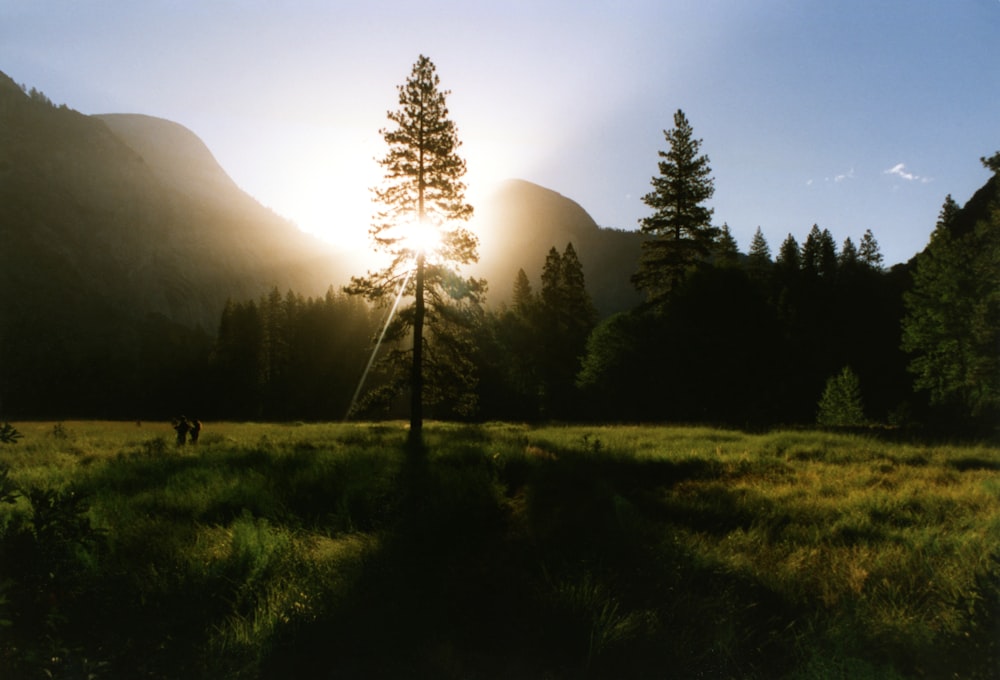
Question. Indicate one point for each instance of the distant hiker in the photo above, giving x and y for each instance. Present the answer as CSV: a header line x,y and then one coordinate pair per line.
x,y
182,426
195,430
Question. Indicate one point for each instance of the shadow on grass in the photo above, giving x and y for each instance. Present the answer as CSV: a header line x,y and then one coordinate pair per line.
x,y
537,568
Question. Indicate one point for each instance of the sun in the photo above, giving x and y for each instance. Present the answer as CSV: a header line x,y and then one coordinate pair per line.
x,y
421,237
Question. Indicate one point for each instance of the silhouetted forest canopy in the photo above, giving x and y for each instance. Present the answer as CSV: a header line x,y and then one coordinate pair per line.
x,y
738,339
744,340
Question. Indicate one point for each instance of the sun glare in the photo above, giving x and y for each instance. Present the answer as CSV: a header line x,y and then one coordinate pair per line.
x,y
421,237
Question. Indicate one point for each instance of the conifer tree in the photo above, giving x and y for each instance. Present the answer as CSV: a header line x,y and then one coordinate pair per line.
x,y
523,297
952,322
758,262
578,308
680,226
789,255
567,317
869,253
422,205
760,251
819,253
727,251
841,404
848,258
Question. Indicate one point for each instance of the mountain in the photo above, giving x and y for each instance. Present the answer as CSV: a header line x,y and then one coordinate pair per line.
x,y
135,211
521,221
118,230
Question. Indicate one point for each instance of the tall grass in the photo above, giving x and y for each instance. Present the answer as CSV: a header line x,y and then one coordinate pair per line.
x,y
327,550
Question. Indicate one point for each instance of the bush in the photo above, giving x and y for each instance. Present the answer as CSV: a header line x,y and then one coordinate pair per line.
x,y
841,405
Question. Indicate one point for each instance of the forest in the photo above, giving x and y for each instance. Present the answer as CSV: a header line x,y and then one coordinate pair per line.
x,y
749,340
815,333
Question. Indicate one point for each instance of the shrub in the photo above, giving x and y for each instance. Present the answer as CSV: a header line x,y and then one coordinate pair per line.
x,y
841,405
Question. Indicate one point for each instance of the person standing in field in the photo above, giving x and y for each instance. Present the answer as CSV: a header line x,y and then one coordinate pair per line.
x,y
195,431
181,427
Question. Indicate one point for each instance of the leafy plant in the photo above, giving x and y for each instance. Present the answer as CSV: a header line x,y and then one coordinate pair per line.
x,y
9,434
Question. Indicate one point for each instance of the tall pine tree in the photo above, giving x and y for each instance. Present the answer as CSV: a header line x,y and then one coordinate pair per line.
x,y
869,252
422,201
680,226
567,316
952,322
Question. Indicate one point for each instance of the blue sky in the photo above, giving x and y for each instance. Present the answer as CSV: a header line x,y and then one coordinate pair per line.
x,y
853,114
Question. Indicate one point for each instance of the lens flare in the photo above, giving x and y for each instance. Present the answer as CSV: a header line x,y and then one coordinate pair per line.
x,y
381,337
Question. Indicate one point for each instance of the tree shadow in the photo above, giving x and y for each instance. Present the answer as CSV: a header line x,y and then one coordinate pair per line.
x,y
547,568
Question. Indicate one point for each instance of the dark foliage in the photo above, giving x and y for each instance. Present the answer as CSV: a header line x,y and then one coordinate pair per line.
x,y
9,434
951,328
289,357
48,569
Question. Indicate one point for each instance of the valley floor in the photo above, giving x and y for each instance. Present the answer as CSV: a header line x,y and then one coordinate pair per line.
x,y
495,551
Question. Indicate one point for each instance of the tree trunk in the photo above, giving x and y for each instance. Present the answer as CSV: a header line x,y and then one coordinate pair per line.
x,y
417,375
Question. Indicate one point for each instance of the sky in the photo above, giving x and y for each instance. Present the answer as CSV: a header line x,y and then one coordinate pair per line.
x,y
853,115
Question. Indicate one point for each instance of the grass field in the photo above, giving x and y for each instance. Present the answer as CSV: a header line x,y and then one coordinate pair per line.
x,y
502,551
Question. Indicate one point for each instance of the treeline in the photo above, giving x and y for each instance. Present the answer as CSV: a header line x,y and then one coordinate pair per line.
x,y
747,340
288,357
751,340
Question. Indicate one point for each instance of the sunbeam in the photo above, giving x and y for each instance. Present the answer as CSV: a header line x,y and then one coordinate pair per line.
x,y
378,343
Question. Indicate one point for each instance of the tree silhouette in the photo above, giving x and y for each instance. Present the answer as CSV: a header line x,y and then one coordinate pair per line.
x,y
422,203
952,322
567,317
869,252
819,253
789,254
680,225
759,257
727,251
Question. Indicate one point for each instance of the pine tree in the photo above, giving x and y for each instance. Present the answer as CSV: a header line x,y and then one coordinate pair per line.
x,y
819,253
727,251
869,252
578,309
422,202
848,258
680,226
758,263
952,322
567,316
523,297
760,251
789,255
841,404
551,293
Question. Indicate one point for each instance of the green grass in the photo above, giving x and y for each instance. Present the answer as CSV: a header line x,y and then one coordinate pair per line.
x,y
506,551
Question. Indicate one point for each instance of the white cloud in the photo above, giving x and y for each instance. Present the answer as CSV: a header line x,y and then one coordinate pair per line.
x,y
899,170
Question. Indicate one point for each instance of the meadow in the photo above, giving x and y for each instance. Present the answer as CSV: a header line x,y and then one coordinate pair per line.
x,y
498,551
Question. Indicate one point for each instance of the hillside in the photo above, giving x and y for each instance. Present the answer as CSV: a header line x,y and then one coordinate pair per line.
x,y
120,237
521,221
135,211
